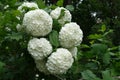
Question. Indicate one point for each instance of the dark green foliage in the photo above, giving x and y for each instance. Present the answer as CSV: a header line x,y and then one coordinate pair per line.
x,y
88,75
54,40
107,10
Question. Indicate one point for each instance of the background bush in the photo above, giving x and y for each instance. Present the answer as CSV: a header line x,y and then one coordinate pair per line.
x,y
98,55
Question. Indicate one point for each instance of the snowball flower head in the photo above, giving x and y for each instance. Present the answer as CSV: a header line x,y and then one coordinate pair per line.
x,y
73,51
37,22
70,35
28,5
39,48
57,12
60,61
41,66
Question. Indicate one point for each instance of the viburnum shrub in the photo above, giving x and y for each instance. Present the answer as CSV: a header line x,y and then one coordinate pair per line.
x,y
53,47
43,41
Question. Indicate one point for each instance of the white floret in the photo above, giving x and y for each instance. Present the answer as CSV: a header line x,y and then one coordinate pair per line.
x,y
28,5
39,48
41,66
70,35
60,61
55,14
37,22
73,51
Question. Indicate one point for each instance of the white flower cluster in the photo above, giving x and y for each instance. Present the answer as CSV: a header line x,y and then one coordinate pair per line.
x,y
39,48
70,35
55,14
39,23
60,61
28,5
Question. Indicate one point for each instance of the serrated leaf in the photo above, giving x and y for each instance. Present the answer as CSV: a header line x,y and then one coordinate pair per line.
x,y
70,7
107,76
88,75
99,48
54,40
14,36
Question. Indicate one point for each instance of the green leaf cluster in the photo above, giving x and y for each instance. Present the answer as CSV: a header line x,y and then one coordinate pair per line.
x,y
89,75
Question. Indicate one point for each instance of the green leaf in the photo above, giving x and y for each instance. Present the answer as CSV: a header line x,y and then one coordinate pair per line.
x,y
56,25
107,76
106,58
62,13
106,33
84,46
1,66
60,3
41,4
92,65
54,40
99,48
95,36
88,75
113,48
14,36
103,28
70,7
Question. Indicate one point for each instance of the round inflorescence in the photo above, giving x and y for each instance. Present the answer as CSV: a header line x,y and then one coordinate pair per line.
x,y
55,14
39,48
70,35
60,61
37,22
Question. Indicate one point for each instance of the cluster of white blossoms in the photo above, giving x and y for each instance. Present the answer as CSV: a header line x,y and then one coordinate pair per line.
x,y
27,5
55,14
60,61
70,35
39,48
38,23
